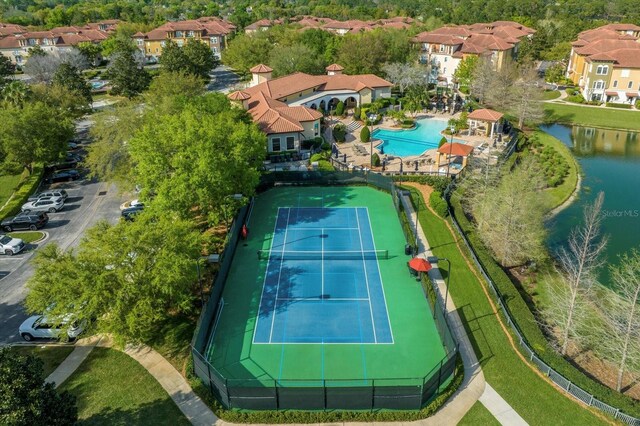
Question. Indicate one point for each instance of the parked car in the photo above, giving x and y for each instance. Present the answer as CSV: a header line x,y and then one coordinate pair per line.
x,y
64,176
60,193
30,221
132,203
72,145
10,245
46,204
42,327
66,164
131,212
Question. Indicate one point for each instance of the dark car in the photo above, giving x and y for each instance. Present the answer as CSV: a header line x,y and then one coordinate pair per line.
x,y
66,164
131,212
65,176
32,221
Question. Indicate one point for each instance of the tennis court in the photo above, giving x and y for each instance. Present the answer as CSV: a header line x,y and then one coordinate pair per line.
x,y
323,282
320,295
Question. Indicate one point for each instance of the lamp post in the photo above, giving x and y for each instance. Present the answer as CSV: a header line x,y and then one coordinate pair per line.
x,y
452,128
436,259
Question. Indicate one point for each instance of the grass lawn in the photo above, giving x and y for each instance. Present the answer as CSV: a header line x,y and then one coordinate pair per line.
x,y
478,415
589,116
548,95
112,388
558,195
537,401
8,184
51,356
27,236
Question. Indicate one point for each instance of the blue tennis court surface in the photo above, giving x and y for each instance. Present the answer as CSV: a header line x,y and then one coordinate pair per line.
x,y
322,281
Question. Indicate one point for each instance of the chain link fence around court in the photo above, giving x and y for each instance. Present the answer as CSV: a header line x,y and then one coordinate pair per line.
x,y
351,394
574,390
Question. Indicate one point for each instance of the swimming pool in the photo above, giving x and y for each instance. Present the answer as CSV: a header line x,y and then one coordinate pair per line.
x,y
403,143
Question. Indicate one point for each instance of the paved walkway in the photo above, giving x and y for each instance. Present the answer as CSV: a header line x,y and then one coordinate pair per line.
x,y
71,363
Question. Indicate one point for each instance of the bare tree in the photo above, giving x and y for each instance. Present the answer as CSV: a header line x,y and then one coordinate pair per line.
x,y
41,68
622,316
579,261
501,86
482,79
526,95
405,75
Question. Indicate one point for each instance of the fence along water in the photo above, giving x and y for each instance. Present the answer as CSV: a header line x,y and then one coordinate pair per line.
x,y
354,394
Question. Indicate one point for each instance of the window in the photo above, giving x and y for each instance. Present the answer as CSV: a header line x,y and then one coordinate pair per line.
x,y
615,83
599,84
291,143
602,70
624,73
444,70
178,33
189,33
275,144
214,40
315,128
445,58
630,85
214,49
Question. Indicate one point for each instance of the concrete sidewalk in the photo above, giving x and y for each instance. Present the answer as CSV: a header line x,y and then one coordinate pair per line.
x,y
71,363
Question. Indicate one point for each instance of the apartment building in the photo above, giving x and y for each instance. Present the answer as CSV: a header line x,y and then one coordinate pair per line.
x,y
605,63
352,26
16,44
212,31
444,48
288,108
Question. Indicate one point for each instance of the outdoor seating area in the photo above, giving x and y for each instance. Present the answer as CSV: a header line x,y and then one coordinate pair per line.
x,y
287,157
360,150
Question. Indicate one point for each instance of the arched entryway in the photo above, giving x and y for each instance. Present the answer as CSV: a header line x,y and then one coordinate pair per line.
x,y
351,102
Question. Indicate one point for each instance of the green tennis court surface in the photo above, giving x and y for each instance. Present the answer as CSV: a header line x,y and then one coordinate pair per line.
x,y
324,303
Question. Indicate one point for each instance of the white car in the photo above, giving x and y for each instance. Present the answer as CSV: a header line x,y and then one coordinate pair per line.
x,y
44,204
41,327
132,203
10,246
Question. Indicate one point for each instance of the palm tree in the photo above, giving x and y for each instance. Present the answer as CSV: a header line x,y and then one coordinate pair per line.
x,y
16,93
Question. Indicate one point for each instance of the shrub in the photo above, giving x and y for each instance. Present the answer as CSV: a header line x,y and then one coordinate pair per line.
x,y
438,183
306,144
321,156
356,113
443,140
339,132
325,146
325,166
375,158
365,134
465,90
637,104
27,187
576,99
340,108
438,204
363,113
623,106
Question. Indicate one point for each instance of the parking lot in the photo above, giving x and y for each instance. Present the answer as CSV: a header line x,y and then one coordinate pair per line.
x,y
89,201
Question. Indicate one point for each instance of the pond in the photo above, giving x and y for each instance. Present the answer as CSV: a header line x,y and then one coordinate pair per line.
x,y
610,162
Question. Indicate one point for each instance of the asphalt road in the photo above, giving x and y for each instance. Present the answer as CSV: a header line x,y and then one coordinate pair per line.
x,y
222,79
88,202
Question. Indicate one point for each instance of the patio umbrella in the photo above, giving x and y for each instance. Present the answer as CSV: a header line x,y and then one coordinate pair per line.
x,y
400,166
381,149
420,265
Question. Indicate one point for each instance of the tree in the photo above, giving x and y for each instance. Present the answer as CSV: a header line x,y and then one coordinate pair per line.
x,y
621,337
25,399
513,227
482,80
365,134
340,109
69,78
245,51
6,70
287,60
66,102
414,99
193,159
173,58
555,73
92,52
579,261
128,77
16,93
42,67
129,277
34,133
200,58
501,84
526,96
404,75
466,69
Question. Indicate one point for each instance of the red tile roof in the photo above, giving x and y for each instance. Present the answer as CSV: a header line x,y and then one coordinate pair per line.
x,y
11,29
485,115
261,68
239,96
208,26
455,148
334,67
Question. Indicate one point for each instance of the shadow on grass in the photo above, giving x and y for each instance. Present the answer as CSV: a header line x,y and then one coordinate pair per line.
x,y
475,333
173,339
551,116
144,414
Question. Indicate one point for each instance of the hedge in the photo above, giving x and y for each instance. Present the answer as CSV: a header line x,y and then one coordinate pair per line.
x,y
336,416
528,325
615,105
26,188
438,183
339,132
375,158
438,204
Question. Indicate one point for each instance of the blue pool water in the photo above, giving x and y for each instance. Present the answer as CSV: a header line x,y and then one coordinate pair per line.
x,y
403,143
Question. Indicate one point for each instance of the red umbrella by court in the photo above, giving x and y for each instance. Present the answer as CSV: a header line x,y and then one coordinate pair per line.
x,y
420,265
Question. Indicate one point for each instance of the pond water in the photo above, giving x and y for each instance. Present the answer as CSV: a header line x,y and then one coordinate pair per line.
x,y
610,162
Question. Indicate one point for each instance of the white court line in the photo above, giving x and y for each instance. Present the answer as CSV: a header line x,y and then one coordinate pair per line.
x,y
366,280
312,228
384,297
322,264
284,244
266,274
336,299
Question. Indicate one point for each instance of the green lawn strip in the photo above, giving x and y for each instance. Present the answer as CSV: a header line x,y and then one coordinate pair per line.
x,y
590,116
548,95
478,415
8,184
173,340
537,401
112,388
554,197
51,356
27,237
26,187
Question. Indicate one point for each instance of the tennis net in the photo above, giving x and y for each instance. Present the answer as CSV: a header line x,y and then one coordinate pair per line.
x,y
323,255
